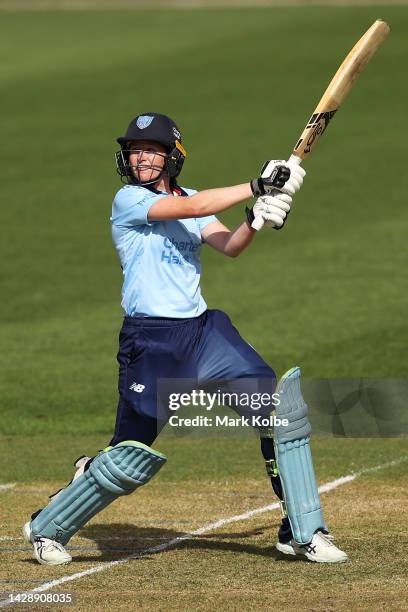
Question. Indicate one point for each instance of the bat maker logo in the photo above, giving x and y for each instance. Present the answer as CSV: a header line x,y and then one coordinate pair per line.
x,y
317,117
318,121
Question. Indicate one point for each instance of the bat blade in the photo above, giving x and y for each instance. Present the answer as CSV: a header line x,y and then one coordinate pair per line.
x,y
340,86
336,92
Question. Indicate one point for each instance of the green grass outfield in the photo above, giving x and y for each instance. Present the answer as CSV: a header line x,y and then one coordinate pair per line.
x,y
328,292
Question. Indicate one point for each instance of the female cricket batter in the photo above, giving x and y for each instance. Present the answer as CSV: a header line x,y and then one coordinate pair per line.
x,y
168,333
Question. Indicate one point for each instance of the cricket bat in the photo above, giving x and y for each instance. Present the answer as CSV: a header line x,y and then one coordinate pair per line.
x,y
336,92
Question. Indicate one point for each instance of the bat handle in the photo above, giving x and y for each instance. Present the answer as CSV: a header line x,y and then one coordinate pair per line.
x,y
295,159
258,223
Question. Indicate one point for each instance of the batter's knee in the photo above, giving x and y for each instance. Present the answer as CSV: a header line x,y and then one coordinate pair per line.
x,y
123,468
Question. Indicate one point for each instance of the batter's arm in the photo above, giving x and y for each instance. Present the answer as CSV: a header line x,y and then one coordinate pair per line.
x,y
201,204
230,243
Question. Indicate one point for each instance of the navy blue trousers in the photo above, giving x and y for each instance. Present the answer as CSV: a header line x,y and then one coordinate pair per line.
x,y
159,356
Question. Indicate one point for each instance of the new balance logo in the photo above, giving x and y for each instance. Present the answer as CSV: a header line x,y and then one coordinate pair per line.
x,y
136,387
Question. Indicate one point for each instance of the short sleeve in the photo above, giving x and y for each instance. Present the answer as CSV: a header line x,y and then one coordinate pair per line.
x,y
131,206
203,221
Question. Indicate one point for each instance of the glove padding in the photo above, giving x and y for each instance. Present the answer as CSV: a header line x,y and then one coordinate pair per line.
x,y
274,175
273,209
293,182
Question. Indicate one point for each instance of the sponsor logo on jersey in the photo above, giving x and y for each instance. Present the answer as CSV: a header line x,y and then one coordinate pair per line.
x,y
178,251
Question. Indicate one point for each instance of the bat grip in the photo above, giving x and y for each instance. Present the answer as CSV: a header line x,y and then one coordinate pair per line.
x,y
258,222
295,159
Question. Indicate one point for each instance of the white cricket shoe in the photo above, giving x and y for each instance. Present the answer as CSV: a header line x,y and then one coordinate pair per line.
x,y
321,549
46,551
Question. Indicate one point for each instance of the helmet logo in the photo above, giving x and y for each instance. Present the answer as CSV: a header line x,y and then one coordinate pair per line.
x,y
144,121
176,133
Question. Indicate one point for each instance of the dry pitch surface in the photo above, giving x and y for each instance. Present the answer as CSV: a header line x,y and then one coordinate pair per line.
x,y
232,566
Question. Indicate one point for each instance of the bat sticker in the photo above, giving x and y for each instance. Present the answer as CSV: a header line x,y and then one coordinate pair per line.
x,y
317,117
318,121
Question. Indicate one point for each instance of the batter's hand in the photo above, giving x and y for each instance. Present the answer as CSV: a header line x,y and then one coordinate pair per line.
x,y
273,210
274,175
294,183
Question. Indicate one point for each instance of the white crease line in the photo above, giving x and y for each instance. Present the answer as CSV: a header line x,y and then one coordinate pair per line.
x,y
5,487
329,486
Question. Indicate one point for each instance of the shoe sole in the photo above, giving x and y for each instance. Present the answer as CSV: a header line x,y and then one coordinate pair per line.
x,y
341,560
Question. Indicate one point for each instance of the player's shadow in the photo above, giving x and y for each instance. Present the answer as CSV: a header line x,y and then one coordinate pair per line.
x,y
116,541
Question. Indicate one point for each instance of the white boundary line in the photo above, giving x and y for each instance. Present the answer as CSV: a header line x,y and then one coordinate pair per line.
x,y
329,486
5,487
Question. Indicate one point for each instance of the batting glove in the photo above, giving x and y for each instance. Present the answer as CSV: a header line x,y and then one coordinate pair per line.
x,y
295,181
278,174
272,209
274,175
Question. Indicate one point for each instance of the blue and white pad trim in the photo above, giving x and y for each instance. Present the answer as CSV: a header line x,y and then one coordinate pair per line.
x,y
117,470
294,460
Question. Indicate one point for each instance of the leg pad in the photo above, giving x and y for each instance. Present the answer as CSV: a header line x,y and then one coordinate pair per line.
x,y
116,471
295,460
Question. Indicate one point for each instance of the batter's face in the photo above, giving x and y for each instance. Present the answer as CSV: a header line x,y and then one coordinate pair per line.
x,y
146,159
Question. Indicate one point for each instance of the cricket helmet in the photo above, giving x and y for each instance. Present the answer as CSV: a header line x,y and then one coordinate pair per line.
x,y
157,128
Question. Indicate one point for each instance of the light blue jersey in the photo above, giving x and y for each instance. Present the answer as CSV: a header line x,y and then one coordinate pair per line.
x,y
160,259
